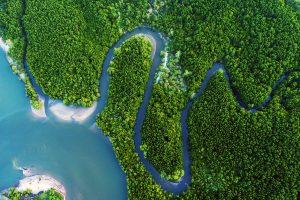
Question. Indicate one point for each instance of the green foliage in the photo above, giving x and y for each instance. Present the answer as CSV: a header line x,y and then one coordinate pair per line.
x,y
257,41
51,194
59,56
237,154
13,194
290,92
10,14
66,47
161,131
131,66
10,18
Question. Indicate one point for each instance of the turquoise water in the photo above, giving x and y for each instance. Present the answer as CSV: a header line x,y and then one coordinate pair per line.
x,y
81,158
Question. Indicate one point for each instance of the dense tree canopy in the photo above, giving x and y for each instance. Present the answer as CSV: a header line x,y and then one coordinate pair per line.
x,y
257,40
72,42
237,154
161,131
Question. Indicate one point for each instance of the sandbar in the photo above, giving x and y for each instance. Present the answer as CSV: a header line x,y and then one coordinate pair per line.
x,y
72,113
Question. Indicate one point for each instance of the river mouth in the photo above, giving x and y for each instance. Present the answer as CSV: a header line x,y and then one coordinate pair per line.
x,y
53,148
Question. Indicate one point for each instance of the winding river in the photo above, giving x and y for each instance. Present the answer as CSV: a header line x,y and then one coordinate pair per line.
x,y
61,138
181,185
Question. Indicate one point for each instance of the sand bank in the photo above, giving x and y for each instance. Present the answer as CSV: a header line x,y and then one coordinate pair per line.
x,y
72,113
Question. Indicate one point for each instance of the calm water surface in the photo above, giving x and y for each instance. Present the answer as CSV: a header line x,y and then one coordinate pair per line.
x,y
81,158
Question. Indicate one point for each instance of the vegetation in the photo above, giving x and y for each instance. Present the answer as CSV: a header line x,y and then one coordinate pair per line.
x,y
257,40
51,194
129,74
290,92
13,194
237,154
66,47
161,131
10,14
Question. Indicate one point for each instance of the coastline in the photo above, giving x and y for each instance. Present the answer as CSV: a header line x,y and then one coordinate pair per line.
x,y
6,45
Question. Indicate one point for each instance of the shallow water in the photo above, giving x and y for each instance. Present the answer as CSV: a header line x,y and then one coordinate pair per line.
x,y
80,158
